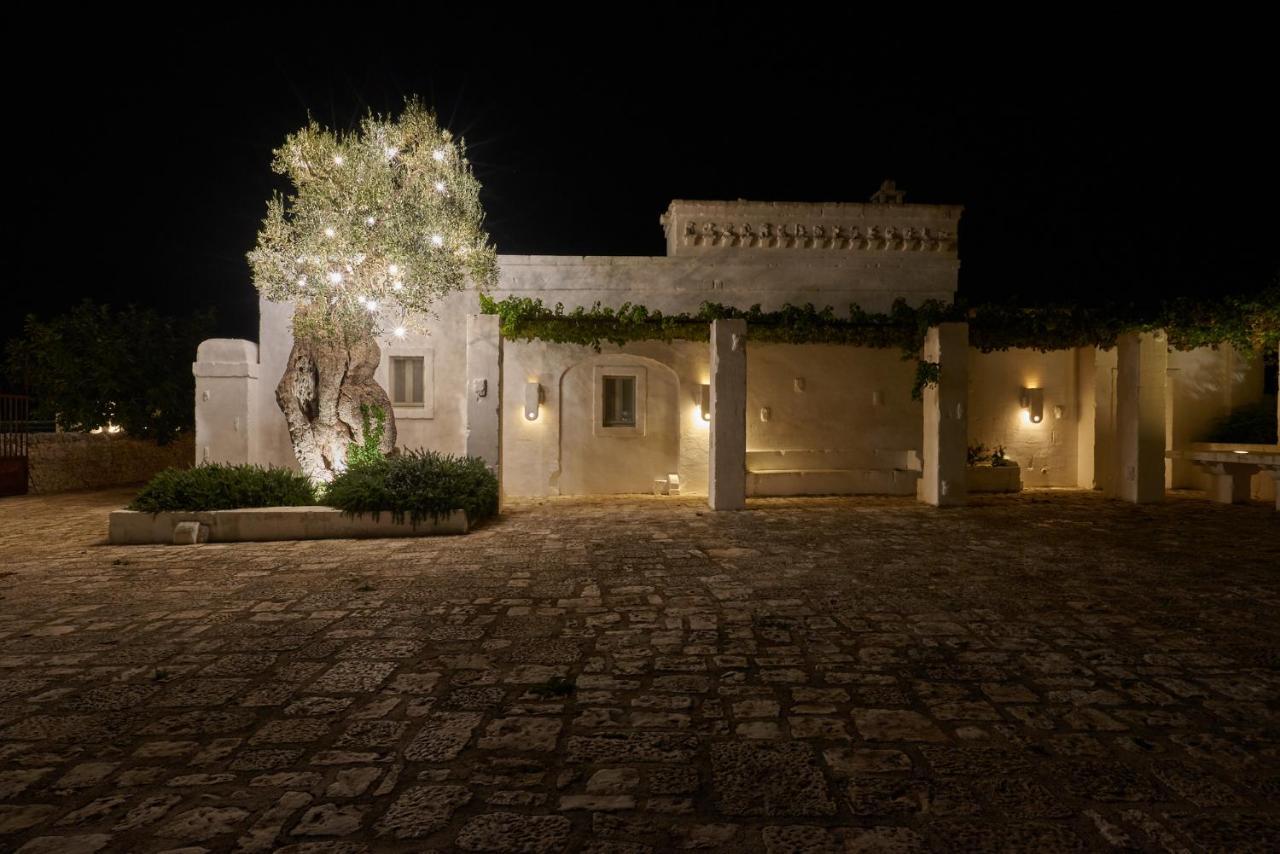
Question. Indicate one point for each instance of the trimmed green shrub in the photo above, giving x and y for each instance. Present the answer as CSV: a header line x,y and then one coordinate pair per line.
x,y
417,485
223,487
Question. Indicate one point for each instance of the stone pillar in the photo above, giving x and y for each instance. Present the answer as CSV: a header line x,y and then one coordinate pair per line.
x,y
1141,378
727,481
946,434
1105,467
484,391
1086,416
226,372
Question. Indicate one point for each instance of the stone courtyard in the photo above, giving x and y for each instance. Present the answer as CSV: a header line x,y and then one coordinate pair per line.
x,y
1045,672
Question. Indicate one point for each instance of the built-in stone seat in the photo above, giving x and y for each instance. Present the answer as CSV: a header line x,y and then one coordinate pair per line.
x,y
831,472
1232,466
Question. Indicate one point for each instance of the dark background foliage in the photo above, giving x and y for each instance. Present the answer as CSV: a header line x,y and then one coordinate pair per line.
x,y
94,365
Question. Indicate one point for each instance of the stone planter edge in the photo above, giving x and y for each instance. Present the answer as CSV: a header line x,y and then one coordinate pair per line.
x,y
272,524
994,478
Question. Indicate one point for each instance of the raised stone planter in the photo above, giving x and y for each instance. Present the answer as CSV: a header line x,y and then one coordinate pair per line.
x,y
994,479
265,524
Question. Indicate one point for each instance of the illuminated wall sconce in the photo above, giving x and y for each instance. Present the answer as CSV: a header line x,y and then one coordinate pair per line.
x,y
532,400
1032,400
705,405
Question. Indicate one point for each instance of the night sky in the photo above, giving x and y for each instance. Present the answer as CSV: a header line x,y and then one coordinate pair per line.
x,y
1122,165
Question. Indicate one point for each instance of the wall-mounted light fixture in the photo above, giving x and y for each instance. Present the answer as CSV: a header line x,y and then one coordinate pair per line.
x,y
532,400
705,405
1032,400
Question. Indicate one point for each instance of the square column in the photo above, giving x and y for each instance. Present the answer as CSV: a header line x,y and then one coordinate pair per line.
x,y
1141,377
484,390
727,481
946,433
226,372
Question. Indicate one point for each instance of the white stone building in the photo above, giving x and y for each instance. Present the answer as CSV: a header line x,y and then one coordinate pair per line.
x,y
562,419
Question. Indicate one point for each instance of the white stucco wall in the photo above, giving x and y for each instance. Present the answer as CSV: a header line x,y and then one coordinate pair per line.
x,y
850,400
1046,451
562,453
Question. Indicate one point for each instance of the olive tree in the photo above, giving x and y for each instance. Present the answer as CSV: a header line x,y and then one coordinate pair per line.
x,y
382,222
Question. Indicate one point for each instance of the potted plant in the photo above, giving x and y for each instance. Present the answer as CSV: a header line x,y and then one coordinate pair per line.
x,y
992,470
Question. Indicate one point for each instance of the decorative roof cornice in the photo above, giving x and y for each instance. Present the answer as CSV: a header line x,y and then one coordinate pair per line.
x,y
800,235
884,225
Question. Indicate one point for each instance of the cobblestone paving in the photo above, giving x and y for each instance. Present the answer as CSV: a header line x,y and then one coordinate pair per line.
x,y
1051,672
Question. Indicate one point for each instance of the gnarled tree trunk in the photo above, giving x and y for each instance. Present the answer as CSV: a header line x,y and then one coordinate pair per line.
x,y
320,395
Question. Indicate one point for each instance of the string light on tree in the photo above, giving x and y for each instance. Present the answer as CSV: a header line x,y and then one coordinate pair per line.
x,y
346,282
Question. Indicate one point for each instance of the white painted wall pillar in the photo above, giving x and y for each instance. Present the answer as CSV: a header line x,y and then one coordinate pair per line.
x,y
226,372
727,481
1141,380
484,390
1086,416
1105,468
946,434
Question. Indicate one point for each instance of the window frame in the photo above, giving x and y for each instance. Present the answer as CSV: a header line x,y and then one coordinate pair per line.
x,y
620,383
411,411
622,431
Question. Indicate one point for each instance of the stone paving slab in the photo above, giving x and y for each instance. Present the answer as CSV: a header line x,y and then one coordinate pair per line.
x,y
1045,672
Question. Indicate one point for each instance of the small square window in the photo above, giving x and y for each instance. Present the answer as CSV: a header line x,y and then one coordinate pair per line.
x,y
619,401
407,380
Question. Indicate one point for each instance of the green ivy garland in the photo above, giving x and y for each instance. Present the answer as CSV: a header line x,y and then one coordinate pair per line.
x,y
927,374
1250,324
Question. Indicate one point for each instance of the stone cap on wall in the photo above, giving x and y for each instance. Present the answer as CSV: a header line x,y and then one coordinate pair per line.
x,y
226,357
769,229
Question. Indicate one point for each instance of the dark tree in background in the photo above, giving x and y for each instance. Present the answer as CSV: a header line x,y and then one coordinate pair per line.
x,y
96,366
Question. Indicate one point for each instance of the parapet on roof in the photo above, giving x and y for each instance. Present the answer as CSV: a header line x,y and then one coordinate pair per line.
x,y
768,229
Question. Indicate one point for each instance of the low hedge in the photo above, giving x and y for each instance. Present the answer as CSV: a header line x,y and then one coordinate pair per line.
x,y
417,485
216,486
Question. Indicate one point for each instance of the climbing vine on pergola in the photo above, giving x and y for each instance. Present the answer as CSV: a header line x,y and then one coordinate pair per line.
x,y
1249,324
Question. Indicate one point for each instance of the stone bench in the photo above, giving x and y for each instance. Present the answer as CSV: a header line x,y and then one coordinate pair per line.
x,y
1231,467
815,472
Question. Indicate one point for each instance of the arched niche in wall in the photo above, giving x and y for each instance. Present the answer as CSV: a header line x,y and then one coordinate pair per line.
x,y
619,425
